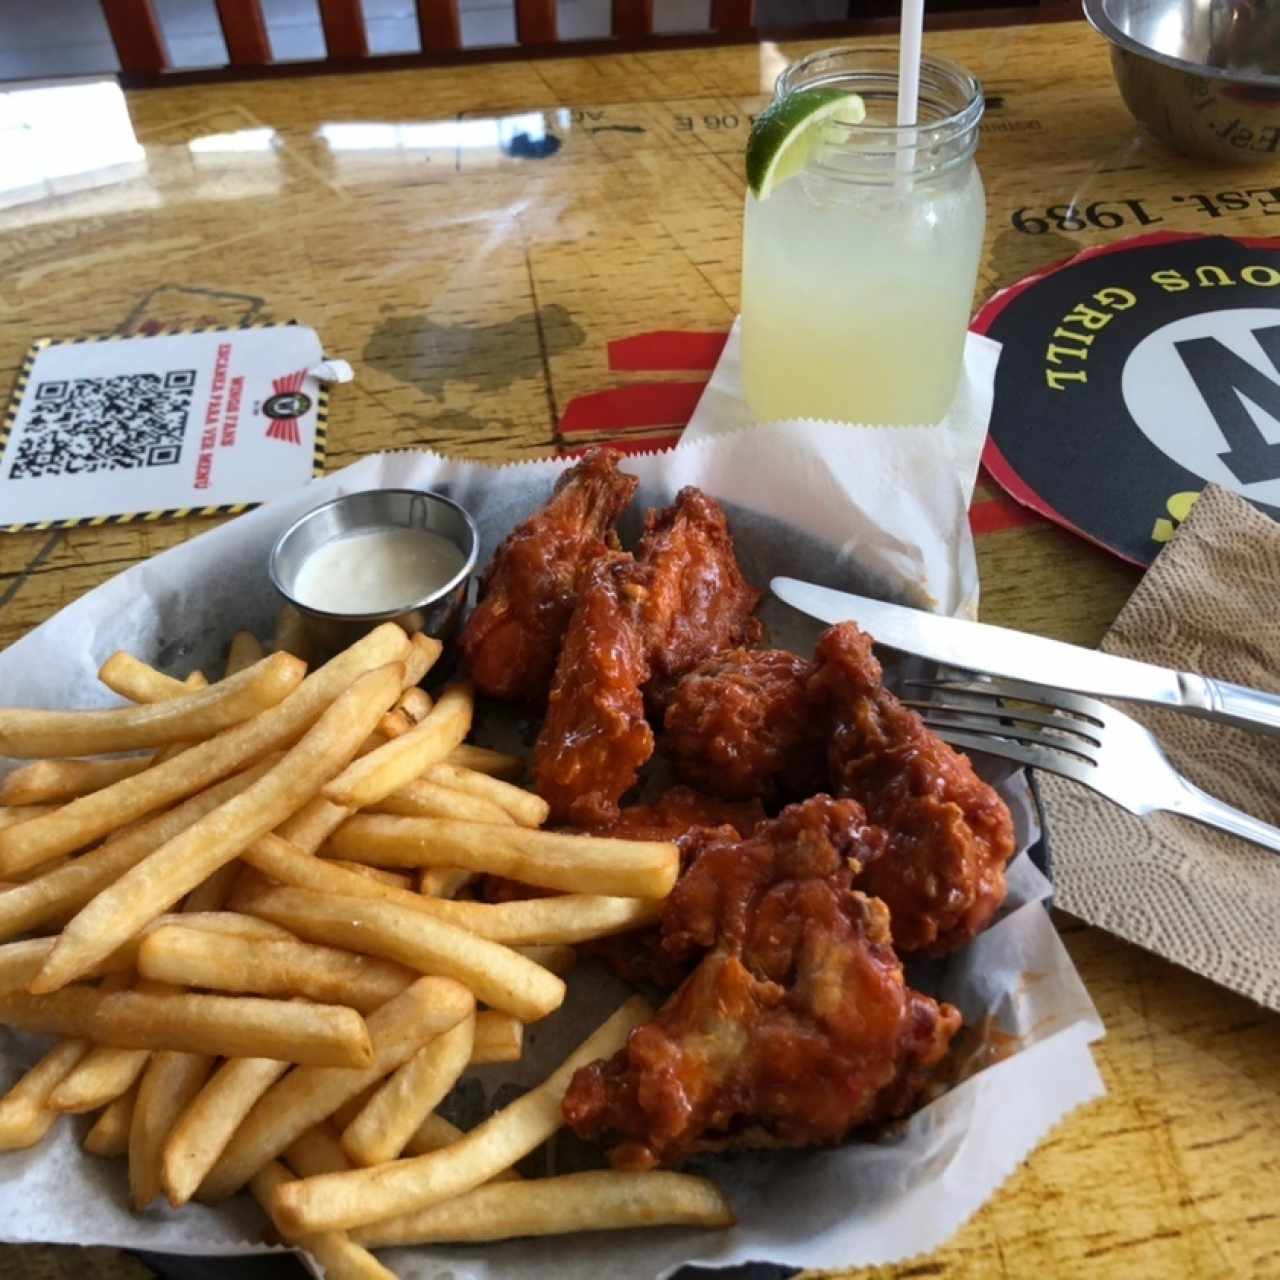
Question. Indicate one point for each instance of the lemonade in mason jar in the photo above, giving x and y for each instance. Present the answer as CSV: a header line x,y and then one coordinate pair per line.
x,y
861,241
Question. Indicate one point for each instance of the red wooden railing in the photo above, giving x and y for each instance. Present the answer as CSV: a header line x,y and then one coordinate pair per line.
x,y
140,43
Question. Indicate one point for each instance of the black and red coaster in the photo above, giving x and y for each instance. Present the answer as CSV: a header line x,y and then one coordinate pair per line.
x,y
1131,376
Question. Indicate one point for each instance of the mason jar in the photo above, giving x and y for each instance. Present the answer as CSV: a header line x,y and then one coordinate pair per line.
x,y
858,272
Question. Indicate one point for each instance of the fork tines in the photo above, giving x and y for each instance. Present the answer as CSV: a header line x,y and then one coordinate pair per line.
x,y
1043,727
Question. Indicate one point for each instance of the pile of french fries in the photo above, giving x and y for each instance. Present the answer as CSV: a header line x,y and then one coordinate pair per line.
x,y
245,934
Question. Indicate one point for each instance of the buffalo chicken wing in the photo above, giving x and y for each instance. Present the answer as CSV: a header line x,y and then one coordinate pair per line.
x,y
511,641
743,724
638,623
694,599
796,1027
950,834
595,737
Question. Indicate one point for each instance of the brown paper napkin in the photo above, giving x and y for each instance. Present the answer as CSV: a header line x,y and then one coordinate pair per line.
x,y
1210,901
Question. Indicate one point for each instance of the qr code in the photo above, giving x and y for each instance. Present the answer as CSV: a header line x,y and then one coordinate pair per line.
x,y
117,423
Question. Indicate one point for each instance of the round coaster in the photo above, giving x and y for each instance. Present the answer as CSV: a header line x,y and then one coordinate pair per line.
x,y
1131,376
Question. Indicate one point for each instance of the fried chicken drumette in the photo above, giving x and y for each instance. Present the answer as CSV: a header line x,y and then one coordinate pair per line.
x,y
512,639
950,834
795,1028
695,600
639,622
595,737
743,724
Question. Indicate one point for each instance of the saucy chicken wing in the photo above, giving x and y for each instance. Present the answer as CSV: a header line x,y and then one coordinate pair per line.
x,y
511,641
950,834
638,622
693,822
595,737
743,724
795,1028
694,600
680,810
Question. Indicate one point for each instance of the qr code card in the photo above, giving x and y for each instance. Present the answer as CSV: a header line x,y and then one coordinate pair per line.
x,y
173,424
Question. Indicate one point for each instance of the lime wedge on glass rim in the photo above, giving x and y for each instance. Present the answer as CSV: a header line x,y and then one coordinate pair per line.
x,y
788,134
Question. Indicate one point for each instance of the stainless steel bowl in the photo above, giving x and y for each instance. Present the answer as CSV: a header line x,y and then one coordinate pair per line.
x,y
1203,75
437,613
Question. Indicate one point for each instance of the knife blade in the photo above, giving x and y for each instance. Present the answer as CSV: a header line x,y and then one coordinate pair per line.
x,y
1018,655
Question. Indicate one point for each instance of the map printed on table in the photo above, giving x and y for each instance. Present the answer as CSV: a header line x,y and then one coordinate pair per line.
x,y
1131,376
172,424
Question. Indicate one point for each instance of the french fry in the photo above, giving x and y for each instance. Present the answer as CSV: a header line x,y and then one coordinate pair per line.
x,y
89,817
201,1133
188,957
21,961
196,714
559,958
410,1094
396,879
243,652
138,681
523,807
568,918
313,824
11,815
423,654
444,882
339,1259
307,1095
498,1038
212,893
68,887
421,799
502,978
601,1200
338,1201
432,1134
291,633
174,869
346,1113
169,1083
573,863
317,1151
395,723
25,1116
110,1133
395,764
47,781
415,703
231,923
98,1079
497,764
34,873
239,1026
104,1073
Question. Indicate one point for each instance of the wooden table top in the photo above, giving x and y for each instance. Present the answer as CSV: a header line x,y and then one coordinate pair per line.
x,y
478,293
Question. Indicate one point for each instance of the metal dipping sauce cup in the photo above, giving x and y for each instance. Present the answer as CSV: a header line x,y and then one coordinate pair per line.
x,y
437,612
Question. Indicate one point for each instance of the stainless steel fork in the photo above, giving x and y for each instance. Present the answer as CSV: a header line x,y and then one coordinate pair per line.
x,y
1077,737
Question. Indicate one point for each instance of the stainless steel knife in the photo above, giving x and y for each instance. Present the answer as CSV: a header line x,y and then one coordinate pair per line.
x,y
998,651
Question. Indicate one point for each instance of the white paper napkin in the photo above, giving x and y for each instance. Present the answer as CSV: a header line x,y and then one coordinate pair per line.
x,y
723,407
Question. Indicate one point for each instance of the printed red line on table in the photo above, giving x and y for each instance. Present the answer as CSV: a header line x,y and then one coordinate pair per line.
x,y
674,349
641,404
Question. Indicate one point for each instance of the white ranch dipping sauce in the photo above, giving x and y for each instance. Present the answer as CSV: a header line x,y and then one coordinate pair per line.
x,y
376,570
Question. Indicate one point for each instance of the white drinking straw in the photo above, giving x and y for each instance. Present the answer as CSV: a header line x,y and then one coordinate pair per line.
x,y
910,38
